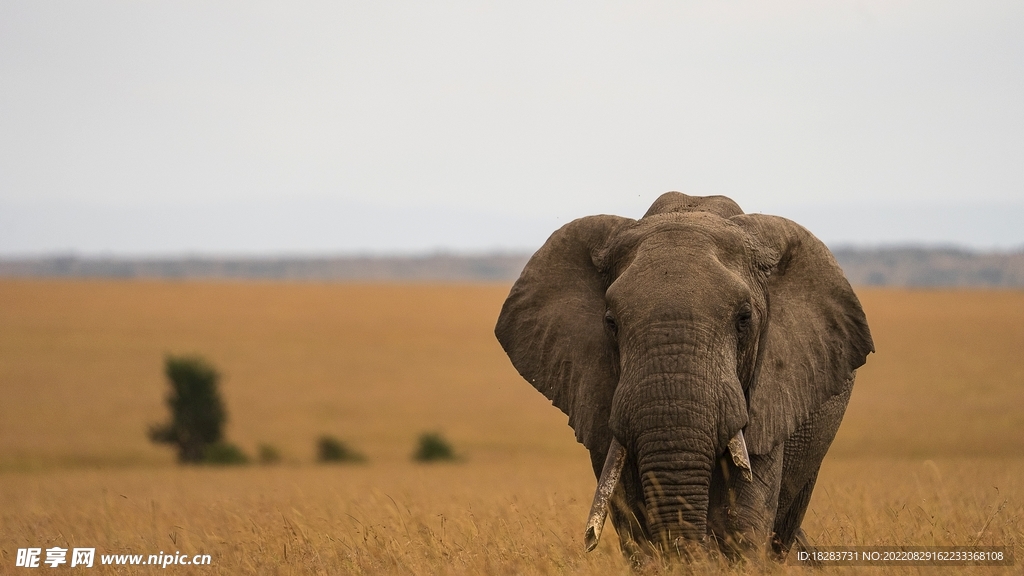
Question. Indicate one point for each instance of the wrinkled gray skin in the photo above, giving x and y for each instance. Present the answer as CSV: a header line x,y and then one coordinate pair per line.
x,y
673,333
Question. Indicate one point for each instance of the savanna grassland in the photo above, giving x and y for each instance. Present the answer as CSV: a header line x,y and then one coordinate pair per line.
x,y
931,451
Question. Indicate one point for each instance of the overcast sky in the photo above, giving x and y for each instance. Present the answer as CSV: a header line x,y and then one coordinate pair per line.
x,y
329,127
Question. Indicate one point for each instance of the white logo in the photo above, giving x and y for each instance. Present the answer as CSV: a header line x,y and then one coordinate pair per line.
x,y
55,556
28,557
83,556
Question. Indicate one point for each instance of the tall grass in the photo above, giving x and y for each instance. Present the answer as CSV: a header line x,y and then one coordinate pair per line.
x,y
496,518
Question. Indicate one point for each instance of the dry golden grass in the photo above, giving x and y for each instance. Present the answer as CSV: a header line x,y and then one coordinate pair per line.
x,y
947,378
473,518
81,365
930,453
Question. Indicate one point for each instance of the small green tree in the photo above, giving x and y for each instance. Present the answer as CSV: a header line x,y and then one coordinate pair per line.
x,y
197,411
433,448
269,454
330,449
224,453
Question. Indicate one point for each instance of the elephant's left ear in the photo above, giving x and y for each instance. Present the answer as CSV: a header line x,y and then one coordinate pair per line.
x,y
816,335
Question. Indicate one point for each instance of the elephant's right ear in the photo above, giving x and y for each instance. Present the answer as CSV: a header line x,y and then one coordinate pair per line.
x,y
552,326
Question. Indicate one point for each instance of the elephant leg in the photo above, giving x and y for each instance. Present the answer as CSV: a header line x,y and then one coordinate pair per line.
x,y
741,512
629,520
787,524
804,451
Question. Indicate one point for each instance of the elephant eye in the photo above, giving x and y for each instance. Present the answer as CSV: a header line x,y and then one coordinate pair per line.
x,y
609,321
743,320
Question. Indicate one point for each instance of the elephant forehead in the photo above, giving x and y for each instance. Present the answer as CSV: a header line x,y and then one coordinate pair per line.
x,y
692,237
666,235
683,281
678,254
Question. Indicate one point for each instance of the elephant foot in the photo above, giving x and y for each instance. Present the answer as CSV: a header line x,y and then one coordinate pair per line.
x,y
780,550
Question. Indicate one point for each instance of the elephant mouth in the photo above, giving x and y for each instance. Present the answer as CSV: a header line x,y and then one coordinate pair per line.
x,y
612,471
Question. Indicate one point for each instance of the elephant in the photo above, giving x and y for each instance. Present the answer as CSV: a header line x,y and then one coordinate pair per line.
x,y
704,357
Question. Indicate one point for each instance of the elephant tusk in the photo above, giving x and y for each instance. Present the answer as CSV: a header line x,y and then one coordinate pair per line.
x,y
738,450
610,474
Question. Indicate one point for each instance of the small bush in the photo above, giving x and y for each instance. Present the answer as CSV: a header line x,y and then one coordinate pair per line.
x,y
433,448
269,454
224,453
330,449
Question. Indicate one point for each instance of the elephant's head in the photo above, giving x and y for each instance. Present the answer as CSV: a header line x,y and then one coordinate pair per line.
x,y
677,333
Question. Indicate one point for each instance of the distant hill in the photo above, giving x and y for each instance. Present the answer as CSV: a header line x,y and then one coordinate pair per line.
x,y
922,267
931,267
438,267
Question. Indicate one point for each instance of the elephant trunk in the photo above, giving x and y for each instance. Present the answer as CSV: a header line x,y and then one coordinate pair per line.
x,y
675,479
675,412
